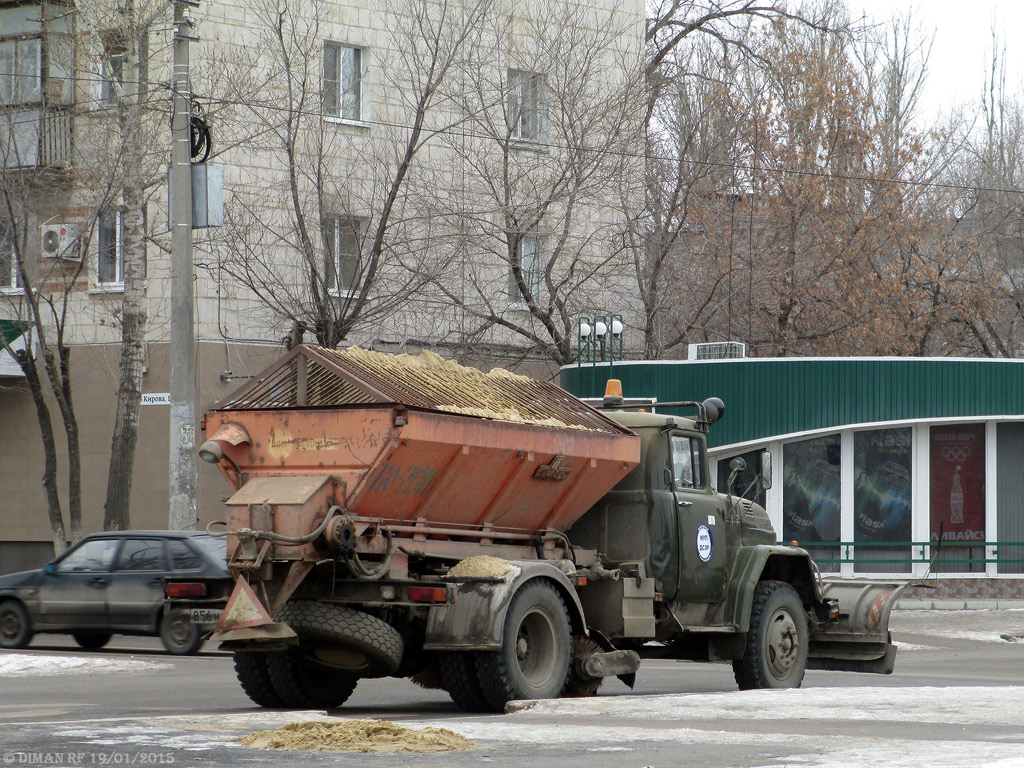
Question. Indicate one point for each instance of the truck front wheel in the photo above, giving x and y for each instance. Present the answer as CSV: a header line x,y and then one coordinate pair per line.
x,y
533,661
775,655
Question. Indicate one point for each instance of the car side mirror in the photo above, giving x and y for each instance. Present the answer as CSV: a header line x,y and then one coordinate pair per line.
x,y
50,568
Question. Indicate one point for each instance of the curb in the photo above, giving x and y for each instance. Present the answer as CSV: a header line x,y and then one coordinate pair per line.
x,y
958,604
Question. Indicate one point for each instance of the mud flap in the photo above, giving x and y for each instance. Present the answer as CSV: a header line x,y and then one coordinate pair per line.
x,y
245,619
858,640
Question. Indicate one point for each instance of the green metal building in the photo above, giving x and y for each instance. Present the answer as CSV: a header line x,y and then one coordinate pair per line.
x,y
881,465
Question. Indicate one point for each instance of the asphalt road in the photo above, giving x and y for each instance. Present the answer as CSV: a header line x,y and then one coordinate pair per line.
x,y
956,699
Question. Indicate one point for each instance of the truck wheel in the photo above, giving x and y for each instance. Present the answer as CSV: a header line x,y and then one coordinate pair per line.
x,y
91,641
303,683
251,671
179,635
776,652
458,671
374,646
15,627
533,661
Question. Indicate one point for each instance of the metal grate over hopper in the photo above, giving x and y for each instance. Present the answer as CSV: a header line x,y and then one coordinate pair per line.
x,y
315,377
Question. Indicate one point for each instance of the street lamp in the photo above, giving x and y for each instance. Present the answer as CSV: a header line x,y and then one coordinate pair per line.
x,y
598,338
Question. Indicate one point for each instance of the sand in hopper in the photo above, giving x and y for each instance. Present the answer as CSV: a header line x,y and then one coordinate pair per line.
x,y
356,736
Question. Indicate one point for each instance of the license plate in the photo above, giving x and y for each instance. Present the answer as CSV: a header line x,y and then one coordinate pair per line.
x,y
204,615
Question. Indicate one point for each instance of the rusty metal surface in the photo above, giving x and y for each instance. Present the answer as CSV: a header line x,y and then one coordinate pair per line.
x,y
278,490
318,377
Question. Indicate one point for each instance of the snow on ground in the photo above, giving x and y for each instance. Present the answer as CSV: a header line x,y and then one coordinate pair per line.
x,y
971,717
28,665
962,706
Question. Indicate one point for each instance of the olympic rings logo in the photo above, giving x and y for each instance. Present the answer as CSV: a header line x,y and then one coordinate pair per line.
x,y
954,455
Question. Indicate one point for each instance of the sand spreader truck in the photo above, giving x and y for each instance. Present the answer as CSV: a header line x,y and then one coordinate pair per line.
x,y
496,537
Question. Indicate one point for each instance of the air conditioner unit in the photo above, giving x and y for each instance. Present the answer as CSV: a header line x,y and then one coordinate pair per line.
x,y
59,241
718,350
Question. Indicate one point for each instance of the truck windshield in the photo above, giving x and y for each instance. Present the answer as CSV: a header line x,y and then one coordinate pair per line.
x,y
687,461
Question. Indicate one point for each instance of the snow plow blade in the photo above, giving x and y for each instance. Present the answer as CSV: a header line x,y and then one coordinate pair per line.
x,y
858,640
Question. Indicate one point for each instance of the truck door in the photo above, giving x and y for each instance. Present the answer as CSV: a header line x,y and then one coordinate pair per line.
x,y
701,523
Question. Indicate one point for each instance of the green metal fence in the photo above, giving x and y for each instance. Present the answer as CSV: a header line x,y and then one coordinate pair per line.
x,y
916,552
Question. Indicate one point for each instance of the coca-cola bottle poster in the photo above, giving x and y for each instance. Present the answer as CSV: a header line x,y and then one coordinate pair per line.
x,y
957,458
882,485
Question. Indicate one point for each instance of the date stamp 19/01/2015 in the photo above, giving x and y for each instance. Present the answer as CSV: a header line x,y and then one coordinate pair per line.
x,y
59,757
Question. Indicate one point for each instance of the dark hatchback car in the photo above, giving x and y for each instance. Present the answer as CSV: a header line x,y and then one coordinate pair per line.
x,y
111,583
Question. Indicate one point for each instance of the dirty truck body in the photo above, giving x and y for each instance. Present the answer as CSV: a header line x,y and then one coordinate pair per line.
x,y
493,536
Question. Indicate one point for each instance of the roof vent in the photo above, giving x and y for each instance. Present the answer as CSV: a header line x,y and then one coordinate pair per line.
x,y
719,350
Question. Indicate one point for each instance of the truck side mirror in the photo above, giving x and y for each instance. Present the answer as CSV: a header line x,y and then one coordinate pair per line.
x,y
766,469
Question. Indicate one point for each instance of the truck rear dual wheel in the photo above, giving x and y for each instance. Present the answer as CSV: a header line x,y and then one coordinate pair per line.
x,y
303,683
776,652
458,673
252,672
287,679
533,662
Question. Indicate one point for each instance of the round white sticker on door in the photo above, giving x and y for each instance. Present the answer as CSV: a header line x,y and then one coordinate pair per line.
x,y
705,544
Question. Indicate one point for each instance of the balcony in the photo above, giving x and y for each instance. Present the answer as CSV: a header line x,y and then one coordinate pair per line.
x,y
35,137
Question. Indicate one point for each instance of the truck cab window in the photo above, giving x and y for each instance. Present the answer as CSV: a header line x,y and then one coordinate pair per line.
x,y
687,461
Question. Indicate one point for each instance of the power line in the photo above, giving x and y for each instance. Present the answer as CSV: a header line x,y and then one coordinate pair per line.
x,y
463,133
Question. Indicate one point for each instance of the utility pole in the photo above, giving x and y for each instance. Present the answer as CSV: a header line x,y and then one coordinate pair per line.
x,y
183,474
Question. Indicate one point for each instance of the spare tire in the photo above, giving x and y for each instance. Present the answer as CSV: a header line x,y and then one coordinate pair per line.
x,y
356,642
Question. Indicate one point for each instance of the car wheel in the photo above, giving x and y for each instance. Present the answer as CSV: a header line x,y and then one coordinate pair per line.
x,y
92,640
15,627
179,635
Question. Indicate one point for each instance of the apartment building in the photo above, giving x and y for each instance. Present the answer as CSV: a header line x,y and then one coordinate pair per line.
x,y
400,174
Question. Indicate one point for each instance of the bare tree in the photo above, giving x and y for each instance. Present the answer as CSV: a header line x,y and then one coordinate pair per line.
x,y
120,154
551,138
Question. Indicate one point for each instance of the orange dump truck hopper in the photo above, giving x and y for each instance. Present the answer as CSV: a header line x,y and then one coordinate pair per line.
x,y
411,440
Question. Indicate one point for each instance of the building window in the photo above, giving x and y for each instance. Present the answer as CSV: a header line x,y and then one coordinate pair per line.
x,y
343,81
21,55
882,497
528,251
110,259
343,261
957,493
811,507
9,277
115,50
527,105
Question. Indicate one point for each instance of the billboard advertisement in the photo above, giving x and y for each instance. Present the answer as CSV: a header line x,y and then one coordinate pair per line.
x,y
957,456
883,465
810,493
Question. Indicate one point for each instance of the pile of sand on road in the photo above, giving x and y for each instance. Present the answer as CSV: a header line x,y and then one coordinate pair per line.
x,y
356,736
